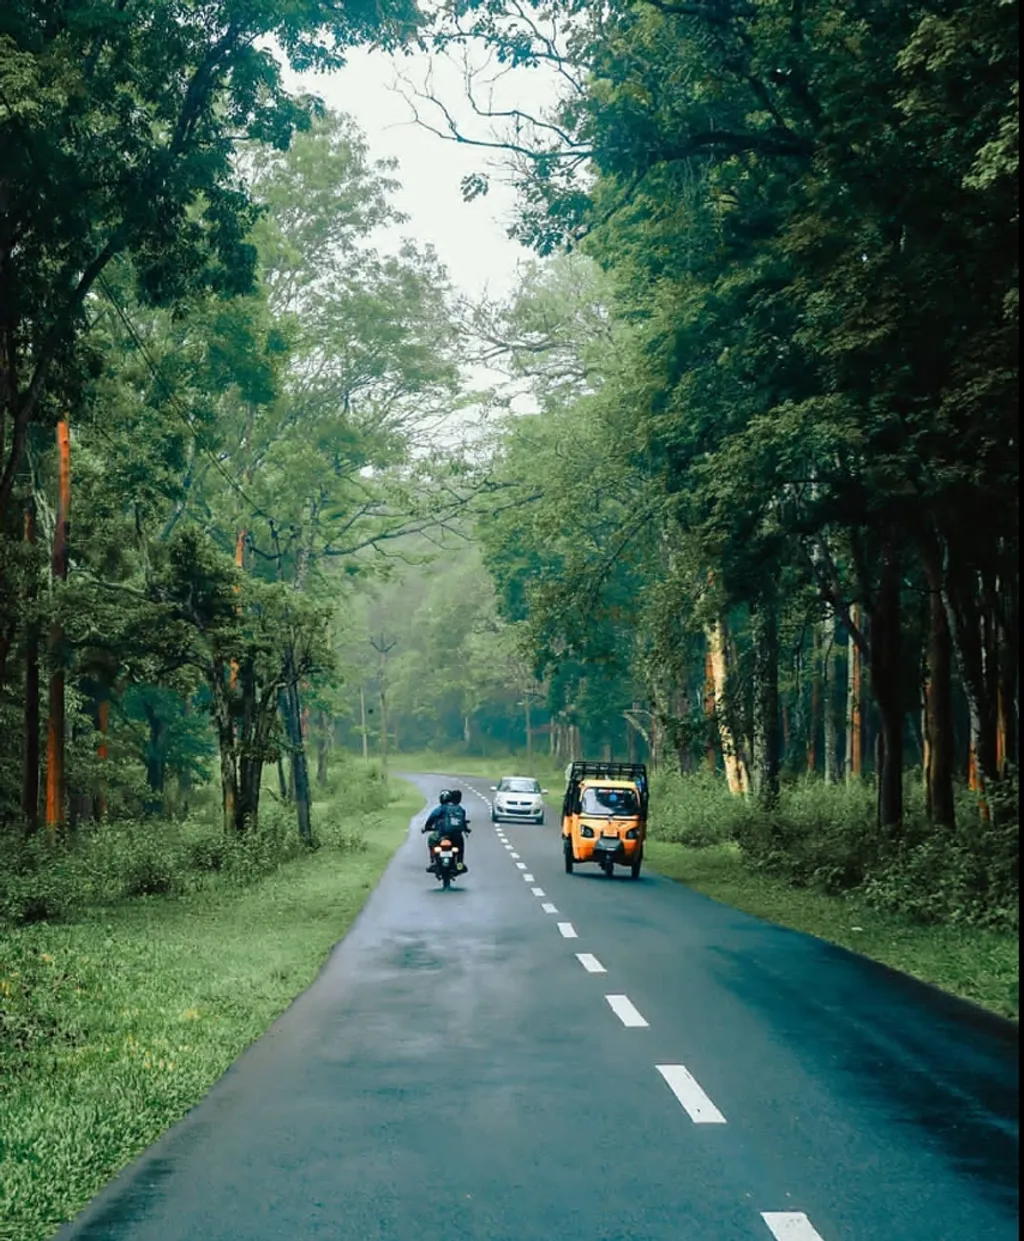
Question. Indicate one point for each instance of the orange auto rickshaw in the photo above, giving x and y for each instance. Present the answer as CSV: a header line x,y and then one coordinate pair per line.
x,y
604,815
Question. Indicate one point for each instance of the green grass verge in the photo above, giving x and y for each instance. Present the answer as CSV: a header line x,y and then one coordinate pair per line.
x,y
976,964
115,1024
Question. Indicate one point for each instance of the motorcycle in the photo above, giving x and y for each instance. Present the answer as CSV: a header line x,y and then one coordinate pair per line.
x,y
447,864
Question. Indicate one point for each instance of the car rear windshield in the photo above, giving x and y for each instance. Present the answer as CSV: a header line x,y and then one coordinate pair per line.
x,y
519,786
617,803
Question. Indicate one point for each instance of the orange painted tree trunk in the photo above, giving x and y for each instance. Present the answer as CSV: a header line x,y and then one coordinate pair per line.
x,y
55,733
30,777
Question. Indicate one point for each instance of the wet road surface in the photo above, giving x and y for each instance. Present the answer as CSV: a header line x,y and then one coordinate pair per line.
x,y
534,1056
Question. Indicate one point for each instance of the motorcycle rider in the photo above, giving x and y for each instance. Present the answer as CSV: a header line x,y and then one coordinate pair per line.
x,y
448,819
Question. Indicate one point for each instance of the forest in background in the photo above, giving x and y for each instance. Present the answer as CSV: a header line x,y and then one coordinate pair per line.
x,y
762,530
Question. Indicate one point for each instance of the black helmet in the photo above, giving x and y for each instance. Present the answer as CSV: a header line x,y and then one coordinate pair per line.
x,y
444,797
455,797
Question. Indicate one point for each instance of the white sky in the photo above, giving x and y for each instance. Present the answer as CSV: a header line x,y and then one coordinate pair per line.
x,y
470,238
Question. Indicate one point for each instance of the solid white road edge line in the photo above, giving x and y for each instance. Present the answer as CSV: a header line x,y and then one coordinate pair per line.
x,y
537,891
683,1085
567,930
590,963
623,1008
790,1226
549,908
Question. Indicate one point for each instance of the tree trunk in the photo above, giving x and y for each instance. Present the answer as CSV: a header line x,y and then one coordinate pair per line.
x,y
972,628
240,563
102,753
854,703
156,760
886,683
383,727
830,705
938,740
529,728
323,749
764,630
814,719
55,733
248,805
1008,636
709,709
228,779
299,767
736,774
225,724
30,775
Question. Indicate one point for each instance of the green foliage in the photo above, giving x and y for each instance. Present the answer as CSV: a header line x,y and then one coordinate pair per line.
x,y
103,864
696,811
823,837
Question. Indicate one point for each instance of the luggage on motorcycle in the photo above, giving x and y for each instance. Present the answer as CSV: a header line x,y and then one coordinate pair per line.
x,y
454,819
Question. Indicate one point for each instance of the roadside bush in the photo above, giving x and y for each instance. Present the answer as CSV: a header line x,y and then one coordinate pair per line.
x,y
818,835
969,876
695,810
825,837
134,858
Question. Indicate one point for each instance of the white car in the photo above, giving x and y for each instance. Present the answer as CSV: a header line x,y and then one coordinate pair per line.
x,y
517,798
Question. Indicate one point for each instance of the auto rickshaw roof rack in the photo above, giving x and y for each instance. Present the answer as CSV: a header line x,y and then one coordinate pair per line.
x,y
586,769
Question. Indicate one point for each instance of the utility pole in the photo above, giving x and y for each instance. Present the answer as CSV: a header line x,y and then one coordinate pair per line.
x,y
383,647
362,718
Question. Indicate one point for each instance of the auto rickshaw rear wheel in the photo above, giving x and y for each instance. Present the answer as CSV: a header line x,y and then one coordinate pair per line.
x,y
634,870
567,854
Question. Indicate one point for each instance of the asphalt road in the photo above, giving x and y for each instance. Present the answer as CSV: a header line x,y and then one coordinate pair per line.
x,y
540,1057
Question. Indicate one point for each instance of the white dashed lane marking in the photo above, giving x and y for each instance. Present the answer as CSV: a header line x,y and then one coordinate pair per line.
x,y
590,963
529,878
683,1085
521,865
790,1226
549,908
537,891
623,1008
567,930
515,855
